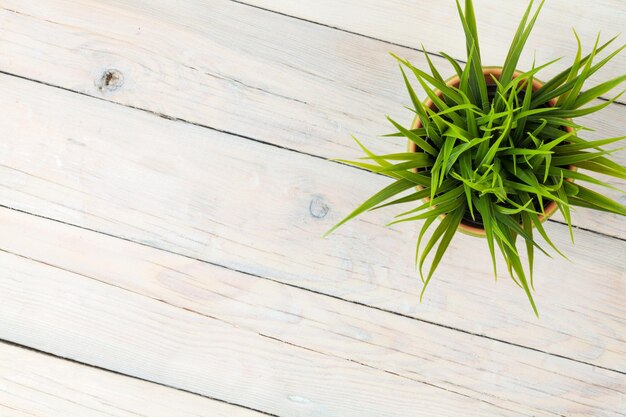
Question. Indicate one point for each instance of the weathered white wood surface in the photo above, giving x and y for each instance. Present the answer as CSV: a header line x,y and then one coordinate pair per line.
x,y
307,91
214,278
436,25
34,384
128,332
262,210
215,331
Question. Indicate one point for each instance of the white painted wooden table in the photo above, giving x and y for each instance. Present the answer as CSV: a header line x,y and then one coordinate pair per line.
x,y
164,184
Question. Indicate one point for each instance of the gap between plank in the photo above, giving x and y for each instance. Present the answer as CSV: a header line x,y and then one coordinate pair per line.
x,y
406,316
165,116
243,3
52,355
261,141
233,325
253,330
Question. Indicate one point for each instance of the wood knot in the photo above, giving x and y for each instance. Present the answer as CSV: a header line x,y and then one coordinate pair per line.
x,y
318,208
298,399
111,80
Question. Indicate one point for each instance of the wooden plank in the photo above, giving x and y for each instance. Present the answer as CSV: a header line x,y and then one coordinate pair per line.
x,y
307,91
262,210
34,384
411,23
325,84
83,319
274,330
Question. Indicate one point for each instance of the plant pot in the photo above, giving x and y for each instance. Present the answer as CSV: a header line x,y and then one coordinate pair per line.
x,y
466,227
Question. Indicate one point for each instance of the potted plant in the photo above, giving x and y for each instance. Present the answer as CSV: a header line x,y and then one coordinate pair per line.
x,y
494,152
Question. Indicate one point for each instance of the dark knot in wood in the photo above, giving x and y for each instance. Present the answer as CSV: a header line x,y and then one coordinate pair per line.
x,y
111,80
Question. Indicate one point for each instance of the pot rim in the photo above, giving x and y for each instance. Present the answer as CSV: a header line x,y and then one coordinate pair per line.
x,y
454,81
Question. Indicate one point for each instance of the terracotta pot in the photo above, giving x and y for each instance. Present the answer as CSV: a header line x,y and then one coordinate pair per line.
x,y
464,227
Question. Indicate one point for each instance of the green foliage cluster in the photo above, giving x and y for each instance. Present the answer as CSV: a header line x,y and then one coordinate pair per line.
x,y
496,152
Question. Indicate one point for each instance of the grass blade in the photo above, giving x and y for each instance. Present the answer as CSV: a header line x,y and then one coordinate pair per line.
x,y
446,230
421,143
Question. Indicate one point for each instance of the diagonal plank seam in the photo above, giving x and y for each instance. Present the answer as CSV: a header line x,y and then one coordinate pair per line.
x,y
89,365
289,285
261,141
243,3
28,15
51,394
168,117
276,339
261,334
387,372
587,230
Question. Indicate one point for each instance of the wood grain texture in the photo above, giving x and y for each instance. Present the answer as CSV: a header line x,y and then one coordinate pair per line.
x,y
34,384
80,318
262,210
273,337
436,25
250,72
